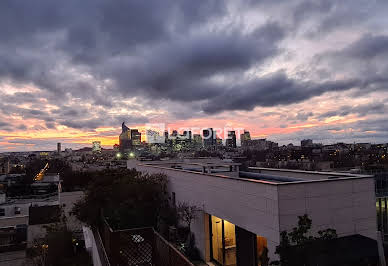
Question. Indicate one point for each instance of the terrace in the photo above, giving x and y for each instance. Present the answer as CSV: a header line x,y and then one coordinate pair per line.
x,y
262,202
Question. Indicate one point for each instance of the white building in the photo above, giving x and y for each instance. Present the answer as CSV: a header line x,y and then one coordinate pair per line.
x,y
245,212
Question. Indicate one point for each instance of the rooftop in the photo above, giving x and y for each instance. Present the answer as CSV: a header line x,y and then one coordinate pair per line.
x,y
226,169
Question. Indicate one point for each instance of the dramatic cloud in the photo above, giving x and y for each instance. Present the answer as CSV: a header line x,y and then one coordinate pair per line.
x,y
80,68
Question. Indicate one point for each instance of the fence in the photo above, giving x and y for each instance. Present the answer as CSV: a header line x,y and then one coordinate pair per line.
x,y
140,247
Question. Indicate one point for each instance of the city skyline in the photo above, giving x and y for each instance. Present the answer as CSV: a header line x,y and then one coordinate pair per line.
x,y
287,71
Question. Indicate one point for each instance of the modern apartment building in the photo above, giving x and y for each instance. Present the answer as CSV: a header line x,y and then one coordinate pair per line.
x,y
244,212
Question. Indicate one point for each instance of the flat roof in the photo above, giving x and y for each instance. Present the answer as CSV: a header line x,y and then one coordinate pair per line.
x,y
294,179
294,171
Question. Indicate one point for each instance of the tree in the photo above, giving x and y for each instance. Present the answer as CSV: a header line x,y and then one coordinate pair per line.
x,y
188,213
299,239
126,198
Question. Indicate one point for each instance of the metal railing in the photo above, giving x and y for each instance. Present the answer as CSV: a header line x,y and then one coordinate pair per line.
x,y
140,247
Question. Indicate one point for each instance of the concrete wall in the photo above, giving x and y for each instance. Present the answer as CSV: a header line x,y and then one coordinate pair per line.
x,y
349,206
9,209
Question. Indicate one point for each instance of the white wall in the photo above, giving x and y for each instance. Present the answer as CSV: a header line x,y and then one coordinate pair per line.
x,y
349,206
9,209
250,205
91,246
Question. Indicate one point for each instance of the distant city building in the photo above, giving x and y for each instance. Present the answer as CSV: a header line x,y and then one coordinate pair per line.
x,y
219,142
187,135
209,137
197,139
166,136
153,137
59,147
4,166
245,137
125,138
96,146
136,137
259,144
306,143
231,140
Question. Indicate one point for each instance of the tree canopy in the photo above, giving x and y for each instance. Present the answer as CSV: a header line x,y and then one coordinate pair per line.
x,y
126,198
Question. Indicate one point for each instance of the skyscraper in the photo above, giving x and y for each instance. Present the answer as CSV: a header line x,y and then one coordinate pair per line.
x,y
245,138
187,135
136,137
209,138
96,146
59,147
125,138
231,140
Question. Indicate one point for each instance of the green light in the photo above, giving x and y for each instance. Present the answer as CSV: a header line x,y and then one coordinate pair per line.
x,y
118,155
132,155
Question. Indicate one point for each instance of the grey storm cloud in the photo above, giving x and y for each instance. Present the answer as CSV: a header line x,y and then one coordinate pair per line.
x,y
364,109
272,90
367,57
3,124
182,51
368,47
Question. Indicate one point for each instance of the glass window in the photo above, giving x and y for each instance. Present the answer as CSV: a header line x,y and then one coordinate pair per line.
x,y
230,243
262,251
17,210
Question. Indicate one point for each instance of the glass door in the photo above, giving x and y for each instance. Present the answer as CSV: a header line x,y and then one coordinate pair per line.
x,y
223,241
217,239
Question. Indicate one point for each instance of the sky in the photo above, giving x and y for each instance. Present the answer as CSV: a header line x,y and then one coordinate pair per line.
x,y
72,71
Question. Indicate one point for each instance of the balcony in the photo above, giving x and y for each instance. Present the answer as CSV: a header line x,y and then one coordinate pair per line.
x,y
140,247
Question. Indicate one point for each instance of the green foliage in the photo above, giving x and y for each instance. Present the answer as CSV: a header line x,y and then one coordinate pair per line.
x,y
127,198
299,238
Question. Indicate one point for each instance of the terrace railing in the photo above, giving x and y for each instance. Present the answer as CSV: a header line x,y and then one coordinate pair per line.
x,y
140,247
